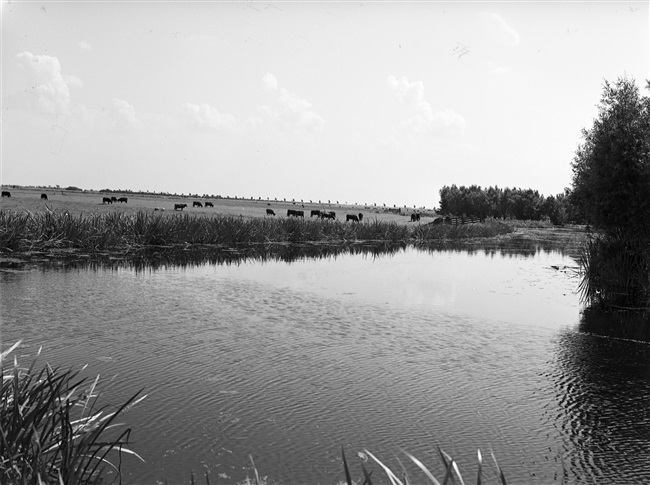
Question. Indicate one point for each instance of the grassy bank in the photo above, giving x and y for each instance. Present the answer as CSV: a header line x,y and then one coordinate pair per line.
x,y
43,231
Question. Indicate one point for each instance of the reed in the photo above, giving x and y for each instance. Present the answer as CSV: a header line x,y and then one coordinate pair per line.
x,y
51,429
43,231
452,473
615,272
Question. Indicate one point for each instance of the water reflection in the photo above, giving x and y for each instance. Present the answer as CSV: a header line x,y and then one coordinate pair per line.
x,y
630,325
527,244
601,385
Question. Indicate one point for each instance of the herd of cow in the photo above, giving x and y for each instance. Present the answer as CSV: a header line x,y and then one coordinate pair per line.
x,y
110,200
6,193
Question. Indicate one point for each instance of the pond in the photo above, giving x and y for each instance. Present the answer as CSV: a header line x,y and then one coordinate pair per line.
x,y
406,350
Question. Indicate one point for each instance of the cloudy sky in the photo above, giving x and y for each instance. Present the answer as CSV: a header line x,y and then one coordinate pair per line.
x,y
368,102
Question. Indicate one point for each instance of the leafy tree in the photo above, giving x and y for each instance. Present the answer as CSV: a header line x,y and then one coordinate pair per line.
x,y
611,169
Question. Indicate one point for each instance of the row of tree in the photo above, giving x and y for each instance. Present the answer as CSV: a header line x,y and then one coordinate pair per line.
x,y
507,203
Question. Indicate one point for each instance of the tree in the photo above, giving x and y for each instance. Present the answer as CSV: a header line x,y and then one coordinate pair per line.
x,y
611,169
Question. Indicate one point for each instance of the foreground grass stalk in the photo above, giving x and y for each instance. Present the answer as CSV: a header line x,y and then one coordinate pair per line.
x,y
51,429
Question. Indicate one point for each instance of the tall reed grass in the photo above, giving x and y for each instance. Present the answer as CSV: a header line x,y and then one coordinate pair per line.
x,y
52,430
43,231
615,272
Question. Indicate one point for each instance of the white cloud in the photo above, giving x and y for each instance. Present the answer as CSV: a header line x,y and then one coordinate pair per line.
x,y
205,116
82,44
288,111
512,34
123,117
270,82
422,118
49,88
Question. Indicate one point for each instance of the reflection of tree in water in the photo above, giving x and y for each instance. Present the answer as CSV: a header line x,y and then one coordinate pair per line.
x,y
630,325
154,258
602,387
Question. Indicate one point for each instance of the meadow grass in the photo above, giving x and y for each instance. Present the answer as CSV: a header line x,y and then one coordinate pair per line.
x,y
43,231
51,429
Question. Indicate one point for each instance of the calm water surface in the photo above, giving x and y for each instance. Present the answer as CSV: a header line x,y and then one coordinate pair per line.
x,y
289,361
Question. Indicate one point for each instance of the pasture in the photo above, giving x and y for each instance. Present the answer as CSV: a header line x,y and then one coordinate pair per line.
x,y
90,202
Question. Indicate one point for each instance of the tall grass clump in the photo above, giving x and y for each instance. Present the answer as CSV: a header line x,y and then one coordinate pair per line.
x,y
46,231
615,270
51,429
452,472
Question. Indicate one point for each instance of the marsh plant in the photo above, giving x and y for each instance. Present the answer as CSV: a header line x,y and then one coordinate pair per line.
x,y
52,430
51,231
616,272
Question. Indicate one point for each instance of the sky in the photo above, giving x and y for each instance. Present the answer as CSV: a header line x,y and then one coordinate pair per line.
x,y
350,101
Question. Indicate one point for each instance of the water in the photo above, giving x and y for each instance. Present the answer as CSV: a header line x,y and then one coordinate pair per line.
x,y
288,362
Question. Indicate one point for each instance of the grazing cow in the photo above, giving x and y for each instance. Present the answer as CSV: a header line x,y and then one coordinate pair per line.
x,y
437,221
179,207
269,212
196,204
43,196
209,204
351,217
315,213
295,213
6,193
447,220
415,217
360,216
113,199
123,199
107,200
328,215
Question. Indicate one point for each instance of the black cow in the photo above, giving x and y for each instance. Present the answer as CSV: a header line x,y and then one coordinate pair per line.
x,y
113,199
6,193
315,213
351,217
437,221
328,215
447,220
360,216
295,213
107,200
196,204
43,196
209,204
179,207
269,212
123,199
415,217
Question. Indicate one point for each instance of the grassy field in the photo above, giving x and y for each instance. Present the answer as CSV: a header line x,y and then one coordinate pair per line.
x,y
77,202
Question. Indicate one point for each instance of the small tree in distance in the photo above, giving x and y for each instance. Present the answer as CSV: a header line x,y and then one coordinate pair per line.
x,y
611,169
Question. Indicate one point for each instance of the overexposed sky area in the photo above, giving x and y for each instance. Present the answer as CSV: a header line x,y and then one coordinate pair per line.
x,y
367,102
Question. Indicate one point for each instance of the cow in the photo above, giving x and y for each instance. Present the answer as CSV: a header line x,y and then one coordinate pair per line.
x,y
123,199
6,193
328,215
351,217
269,212
107,200
113,199
295,213
437,221
43,196
179,207
415,217
447,220
209,204
315,213
196,203
360,216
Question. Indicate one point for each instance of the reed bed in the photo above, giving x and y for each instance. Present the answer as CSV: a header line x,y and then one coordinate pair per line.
x,y
615,271
43,231
52,430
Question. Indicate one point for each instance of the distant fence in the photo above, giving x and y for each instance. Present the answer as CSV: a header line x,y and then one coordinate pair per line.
x,y
459,221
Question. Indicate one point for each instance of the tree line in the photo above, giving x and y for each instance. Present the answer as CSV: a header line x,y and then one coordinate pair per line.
x,y
507,203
